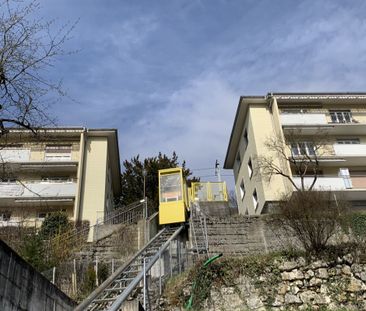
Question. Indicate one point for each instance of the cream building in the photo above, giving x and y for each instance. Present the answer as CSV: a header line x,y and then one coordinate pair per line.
x,y
75,170
338,117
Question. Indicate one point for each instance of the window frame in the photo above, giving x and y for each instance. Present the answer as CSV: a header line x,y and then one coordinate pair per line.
x,y
250,168
255,199
302,148
242,189
340,116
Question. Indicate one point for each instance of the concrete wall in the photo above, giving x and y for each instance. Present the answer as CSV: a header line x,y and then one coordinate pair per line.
x,y
94,183
240,235
23,288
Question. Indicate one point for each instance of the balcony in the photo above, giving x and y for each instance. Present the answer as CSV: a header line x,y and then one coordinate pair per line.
x,y
350,150
303,119
37,190
310,122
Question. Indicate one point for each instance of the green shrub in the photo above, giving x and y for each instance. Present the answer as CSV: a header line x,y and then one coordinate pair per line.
x,y
53,224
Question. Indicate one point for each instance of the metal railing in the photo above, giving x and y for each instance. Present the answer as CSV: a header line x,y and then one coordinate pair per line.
x,y
142,276
145,266
208,191
78,236
198,225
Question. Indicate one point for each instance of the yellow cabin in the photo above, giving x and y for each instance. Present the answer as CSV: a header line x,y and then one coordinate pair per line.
x,y
172,196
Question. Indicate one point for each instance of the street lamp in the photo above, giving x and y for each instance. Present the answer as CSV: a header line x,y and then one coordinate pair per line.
x,y
144,173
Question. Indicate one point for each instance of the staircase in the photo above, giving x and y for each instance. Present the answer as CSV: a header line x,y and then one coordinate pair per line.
x,y
199,231
132,276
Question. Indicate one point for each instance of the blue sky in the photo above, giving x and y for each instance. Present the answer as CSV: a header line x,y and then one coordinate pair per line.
x,y
168,73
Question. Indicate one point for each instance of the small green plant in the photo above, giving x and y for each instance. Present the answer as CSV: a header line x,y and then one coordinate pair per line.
x,y
103,272
32,251
89,281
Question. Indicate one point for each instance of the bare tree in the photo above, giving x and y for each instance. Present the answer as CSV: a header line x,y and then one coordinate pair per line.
x,y
313,217
296,155
27,49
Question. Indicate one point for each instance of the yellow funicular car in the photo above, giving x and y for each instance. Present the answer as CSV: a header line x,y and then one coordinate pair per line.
x,y
172,196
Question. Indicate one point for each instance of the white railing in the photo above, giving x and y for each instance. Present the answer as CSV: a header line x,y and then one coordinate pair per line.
x,y
322,183
39,189
14,155
303,119
350,150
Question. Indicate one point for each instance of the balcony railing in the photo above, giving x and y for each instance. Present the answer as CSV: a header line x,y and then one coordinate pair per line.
x,y
322,183
23,155
14,155
37,189
322,118
303,119
333,183
209,191
350,150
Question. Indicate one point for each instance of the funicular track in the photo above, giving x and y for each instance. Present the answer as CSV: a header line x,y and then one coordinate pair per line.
x,y
126,280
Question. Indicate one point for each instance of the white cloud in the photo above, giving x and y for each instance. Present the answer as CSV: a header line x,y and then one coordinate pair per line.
x,y
196,123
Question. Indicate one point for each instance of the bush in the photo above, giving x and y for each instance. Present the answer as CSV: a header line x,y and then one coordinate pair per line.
x,y
357,223
32,250
313,217
53,224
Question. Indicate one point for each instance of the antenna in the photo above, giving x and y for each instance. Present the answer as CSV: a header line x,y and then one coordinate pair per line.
x,y
217,171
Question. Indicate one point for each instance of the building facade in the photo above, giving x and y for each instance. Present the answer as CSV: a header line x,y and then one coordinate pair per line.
x,y
300,121
74,170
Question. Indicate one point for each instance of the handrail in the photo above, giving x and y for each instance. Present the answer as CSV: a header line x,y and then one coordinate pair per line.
x,y
80,233
118,302
330,176
88,300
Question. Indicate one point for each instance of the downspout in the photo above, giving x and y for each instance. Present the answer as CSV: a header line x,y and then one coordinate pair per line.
x,y
81,170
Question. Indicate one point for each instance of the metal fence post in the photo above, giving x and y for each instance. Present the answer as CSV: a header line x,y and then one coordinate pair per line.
x,y
53,275
170,259
159,274
144,269
96,272
178,256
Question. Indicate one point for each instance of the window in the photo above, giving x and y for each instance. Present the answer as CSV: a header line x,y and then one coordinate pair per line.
x,y
255,199
250,168
58,179
58,153
245,138
238,159
348,141
5,216
242,190
8,180
302,148
170,187
299,110
343,116
43,215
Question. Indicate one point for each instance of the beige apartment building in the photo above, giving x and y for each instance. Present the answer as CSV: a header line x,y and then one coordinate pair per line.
x,y
340,118
75,170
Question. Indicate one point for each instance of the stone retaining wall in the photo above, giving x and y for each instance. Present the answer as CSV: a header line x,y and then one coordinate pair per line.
x,y
240,235
296,285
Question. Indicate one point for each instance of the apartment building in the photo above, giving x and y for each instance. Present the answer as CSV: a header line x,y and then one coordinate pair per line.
x,y
75,170
338,118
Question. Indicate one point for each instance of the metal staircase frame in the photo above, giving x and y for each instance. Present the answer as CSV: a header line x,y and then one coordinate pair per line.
x,y
143,259
199,231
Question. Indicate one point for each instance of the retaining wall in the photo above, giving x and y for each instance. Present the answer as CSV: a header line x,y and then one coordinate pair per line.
x,y
23,288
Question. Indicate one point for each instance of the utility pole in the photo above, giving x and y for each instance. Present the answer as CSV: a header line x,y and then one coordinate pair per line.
x,y
217,171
